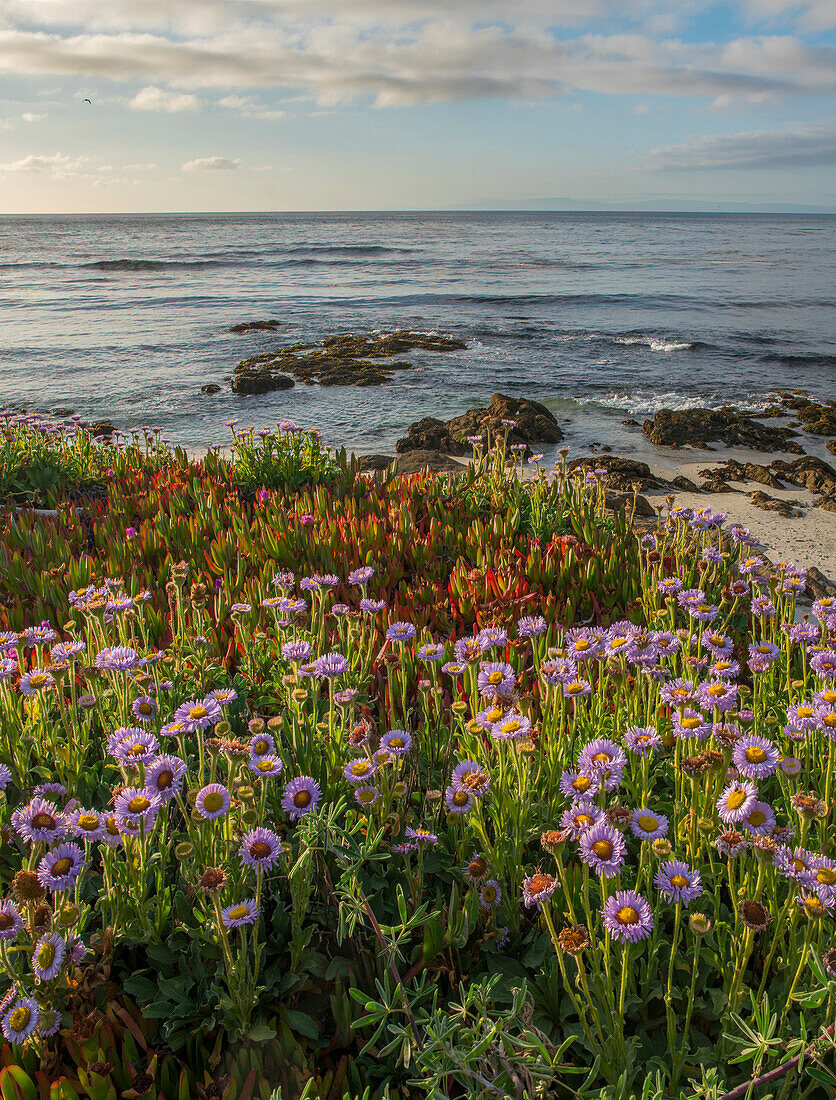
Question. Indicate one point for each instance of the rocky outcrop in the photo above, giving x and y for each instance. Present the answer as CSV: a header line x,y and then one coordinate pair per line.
x,y
732,470
210,388
256,326
810,472
831,445
348,360
102,428
699,427
626,502
818,585
623,474
770,504
253,382
439,463
813,416
532,423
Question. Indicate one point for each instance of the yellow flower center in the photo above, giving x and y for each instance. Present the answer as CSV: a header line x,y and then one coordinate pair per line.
x,y
137,750
111,825
717,639
139,804
43,821
396,742
602,758
755,754
813,906
61,867
302,799
199,711
648,823
213,801
736,799
581,644
46,955
238,912
461,798
6,921
362,767
757,818
716,690
679,881
495,678
805,712
260,849
721,666
826,875
581,820
145,708
477,868
581,783
20,1018
764,649
617,643
88,822
691,723
829,720
489,894
511,727
368,797
602,849
627,915
494,715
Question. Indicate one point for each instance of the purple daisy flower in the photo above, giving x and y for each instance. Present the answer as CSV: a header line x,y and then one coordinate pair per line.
x,y
165,776
582,644
129,746
558,671
576,689
431,652
760,820
366,796
736,801
458,800
538,888
87,824
359,770
691,723
601,756
296,651
582,815
241,608
330,665
144,708
20,1019
117,658
198,714
135,806
577,785
472,776
602,848
641,740
627,917
531,626
513,727
397,742
5,777
490,895
301,795
420,835
240,913
496,678
11,922
371,607
262,744
648,825
48,956
453,668
212,801
36,680
268,766
39,821
362,575
677,693
719,644
755,757
223,696
824,664
400,632
260,849
59,868
718,695
491,638
677,882
803,716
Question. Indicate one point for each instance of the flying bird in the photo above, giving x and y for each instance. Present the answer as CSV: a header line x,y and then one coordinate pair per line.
x,y
90,101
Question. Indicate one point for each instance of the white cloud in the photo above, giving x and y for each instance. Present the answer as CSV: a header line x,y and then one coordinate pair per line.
x,y
30,116
801,147
249,106
56,165
152,98
210,164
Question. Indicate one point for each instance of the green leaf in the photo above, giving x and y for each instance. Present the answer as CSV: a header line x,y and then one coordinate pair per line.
x,y
303,1023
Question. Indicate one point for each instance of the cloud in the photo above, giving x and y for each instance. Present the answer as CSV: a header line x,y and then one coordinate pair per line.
x,y
249,106
152,98
802,147
56,165
210,164
30,116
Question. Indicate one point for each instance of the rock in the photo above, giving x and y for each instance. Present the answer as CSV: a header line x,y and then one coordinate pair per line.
x,y
533,422
260,382
102,427
818,584
623,502
769,504
828,503
438,463
211,387
256,326
831,445
684,483
715,483
431,434
810,472
61,412
346,360
814,417
631,423
732,470
367,464
698,427
622,473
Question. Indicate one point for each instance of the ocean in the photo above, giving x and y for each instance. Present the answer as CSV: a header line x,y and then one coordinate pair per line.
x,y
604,317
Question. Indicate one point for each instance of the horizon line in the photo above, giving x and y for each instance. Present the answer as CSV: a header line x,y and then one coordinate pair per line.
x,y
810,212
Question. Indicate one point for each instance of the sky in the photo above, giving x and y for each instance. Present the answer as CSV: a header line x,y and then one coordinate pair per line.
x,y
416,104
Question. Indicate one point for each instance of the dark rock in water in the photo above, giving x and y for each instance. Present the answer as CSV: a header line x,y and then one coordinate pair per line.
x,y
623,502
347,360
367,464
698,427
414,461
431,434
732,470
818,584
816,418
256,326
631,423
769,504
813,473
533,422
211,387
61,412
102,427
260,382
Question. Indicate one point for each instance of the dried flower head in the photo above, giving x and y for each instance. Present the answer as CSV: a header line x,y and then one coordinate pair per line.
x,y
26,886
212,880
573,939
754,915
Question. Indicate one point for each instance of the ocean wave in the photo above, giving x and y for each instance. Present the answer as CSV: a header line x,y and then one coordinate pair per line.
x,y
648,404
137,266
656,343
